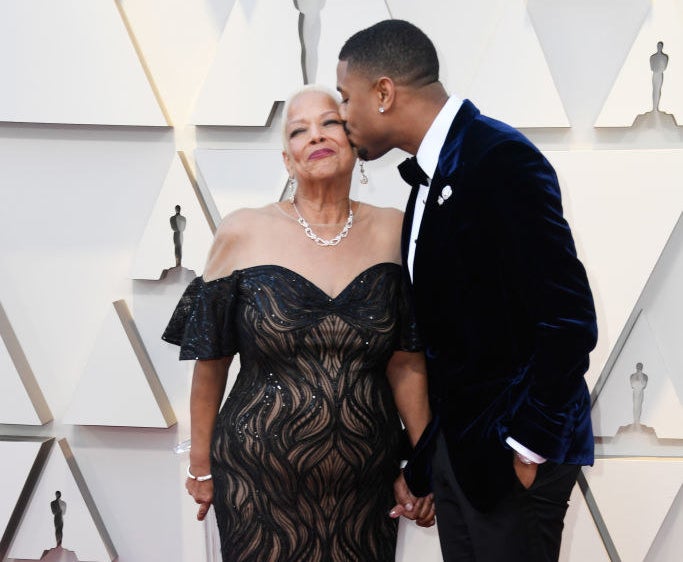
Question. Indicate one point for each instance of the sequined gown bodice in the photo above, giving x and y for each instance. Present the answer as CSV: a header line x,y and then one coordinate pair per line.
x,y
306,446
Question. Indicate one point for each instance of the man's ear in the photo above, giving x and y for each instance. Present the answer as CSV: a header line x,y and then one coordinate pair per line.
x,y
386,92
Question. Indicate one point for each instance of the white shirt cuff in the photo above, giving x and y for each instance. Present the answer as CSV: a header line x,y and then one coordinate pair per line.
x,y
522,450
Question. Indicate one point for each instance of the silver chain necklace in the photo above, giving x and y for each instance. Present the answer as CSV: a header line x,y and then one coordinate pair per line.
x,y
317,239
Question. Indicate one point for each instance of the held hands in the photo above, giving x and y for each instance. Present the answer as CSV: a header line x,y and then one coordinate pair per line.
x,y
420,510
202,492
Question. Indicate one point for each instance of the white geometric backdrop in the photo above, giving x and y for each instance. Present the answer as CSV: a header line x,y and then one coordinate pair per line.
x,y
113,112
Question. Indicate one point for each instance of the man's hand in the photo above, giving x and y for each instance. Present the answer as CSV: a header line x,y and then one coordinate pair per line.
x,y
525,471
420,510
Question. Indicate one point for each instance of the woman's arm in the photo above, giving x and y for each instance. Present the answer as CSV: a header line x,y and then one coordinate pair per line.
x,y
208,385
407,374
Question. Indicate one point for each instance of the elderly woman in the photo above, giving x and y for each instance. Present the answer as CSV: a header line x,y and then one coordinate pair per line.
x,y
301,460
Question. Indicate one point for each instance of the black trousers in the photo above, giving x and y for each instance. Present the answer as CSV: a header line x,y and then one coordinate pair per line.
x,y
526,526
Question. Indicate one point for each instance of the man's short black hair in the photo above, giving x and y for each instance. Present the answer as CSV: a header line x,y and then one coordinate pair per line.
x,y
394,48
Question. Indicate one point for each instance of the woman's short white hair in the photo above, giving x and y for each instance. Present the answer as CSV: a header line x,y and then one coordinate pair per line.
x,y
332,94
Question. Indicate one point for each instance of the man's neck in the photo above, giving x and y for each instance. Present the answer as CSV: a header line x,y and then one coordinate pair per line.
x,y
422,107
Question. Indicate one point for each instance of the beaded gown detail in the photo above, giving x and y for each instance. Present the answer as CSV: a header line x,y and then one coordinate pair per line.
x,y
306,446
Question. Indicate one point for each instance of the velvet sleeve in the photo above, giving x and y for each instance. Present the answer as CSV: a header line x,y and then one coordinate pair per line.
x,y
540,263
203,322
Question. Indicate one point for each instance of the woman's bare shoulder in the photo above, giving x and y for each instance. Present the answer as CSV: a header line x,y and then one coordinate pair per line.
x,y
240,222
232,238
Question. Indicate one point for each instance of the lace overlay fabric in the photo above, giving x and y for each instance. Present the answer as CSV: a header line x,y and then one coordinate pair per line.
x,y
306,447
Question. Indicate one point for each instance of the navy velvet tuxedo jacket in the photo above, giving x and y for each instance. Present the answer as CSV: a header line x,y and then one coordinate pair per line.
x,y
503,307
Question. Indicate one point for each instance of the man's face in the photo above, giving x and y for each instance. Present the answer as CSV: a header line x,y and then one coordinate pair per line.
x,y
360,111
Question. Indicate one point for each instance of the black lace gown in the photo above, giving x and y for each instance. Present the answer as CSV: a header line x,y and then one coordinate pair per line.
x,y
306,447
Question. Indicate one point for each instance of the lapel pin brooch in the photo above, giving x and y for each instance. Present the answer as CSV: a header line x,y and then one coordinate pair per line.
x,y
446,192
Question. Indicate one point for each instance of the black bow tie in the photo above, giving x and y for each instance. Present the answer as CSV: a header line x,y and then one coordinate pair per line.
x,y
411,172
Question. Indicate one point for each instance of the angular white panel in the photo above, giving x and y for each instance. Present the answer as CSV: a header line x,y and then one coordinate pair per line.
x,y
83,532
459,53
119,385
85,198
72,61
339,19
581,539
21,400
668,544
634,497
257,64
585,43
652,336
15,404
494,45
20,462
661,408
155,302
619,242
177,39
632,93
238,178
662,301
515,51
156,251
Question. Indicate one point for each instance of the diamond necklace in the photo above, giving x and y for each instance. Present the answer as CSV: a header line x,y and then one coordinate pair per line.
x,y
322,241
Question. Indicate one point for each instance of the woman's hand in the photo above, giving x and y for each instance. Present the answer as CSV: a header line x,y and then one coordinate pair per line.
x,y
202,492
420,510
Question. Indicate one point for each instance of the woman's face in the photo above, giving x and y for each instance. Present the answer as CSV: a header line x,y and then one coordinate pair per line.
x,y
316,144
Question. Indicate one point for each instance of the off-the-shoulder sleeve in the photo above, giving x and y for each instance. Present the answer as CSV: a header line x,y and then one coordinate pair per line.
x,y
203,323
409,339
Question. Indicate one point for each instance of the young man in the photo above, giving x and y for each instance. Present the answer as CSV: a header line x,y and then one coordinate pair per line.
x,y
502,302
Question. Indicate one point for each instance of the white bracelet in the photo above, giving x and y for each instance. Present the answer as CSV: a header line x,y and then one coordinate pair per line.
x,y
198,478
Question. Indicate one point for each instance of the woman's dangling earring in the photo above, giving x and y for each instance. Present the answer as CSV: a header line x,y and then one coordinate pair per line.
x,y
291,189
363,176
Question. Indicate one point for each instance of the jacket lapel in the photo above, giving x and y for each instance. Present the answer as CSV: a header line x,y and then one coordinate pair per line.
x,y
443,188
449,156
445,174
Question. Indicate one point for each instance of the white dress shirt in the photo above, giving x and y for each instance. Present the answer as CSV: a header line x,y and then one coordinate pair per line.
x,y
428,159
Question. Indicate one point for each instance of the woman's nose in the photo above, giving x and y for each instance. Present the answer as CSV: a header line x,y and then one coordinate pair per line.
x,y
317,133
